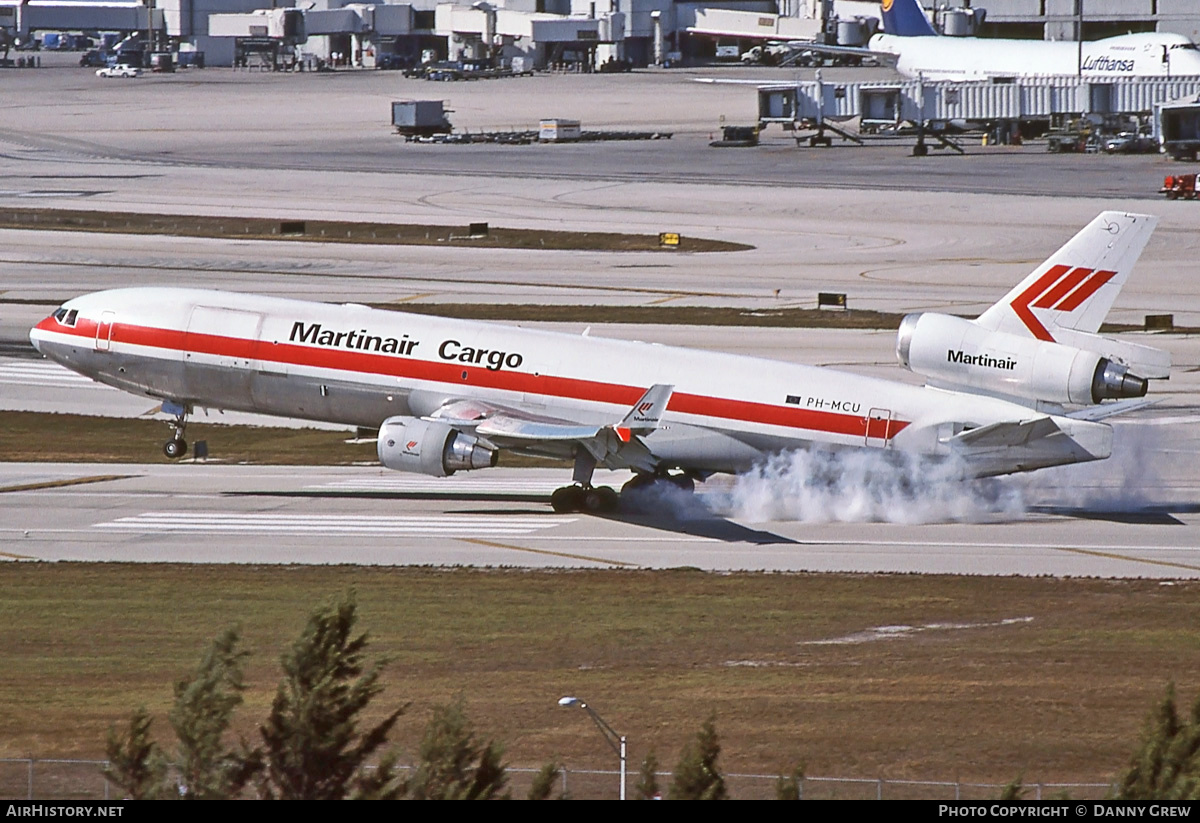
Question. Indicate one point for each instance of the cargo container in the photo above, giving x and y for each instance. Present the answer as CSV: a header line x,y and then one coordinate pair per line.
x,y
420,118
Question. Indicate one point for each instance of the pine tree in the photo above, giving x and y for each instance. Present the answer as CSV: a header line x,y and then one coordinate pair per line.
x,y
453,765
1167,764
380,783
312,745
135,763
697,776
647,786
1014,791
203,709
790,786
544,782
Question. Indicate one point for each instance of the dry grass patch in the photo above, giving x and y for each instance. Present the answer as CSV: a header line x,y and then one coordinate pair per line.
x,y
1060,696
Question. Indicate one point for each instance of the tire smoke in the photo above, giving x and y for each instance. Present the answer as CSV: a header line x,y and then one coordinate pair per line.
x,y
821,485
1147,460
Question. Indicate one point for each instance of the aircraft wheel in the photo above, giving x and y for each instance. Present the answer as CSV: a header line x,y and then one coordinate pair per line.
x,y
682,482
175,448
600,500
646,481
567,499
638,481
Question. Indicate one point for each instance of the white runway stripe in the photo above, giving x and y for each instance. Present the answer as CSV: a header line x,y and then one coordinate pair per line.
x,y
40,374
218,522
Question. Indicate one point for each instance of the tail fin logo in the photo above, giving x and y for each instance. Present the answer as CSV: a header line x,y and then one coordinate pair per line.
x,y
887,5
1061,288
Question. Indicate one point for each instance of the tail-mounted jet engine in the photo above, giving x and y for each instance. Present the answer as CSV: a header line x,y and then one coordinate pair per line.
x,y
956,351
408,444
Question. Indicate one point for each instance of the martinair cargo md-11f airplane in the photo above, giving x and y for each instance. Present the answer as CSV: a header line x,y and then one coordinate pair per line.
x,y
917,50
1021,387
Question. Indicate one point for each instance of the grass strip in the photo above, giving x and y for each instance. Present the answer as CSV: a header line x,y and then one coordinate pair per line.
x,y
37,437
345,231
975,679
58,484
659,315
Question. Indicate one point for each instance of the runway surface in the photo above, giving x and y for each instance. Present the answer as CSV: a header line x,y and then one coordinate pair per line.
x,y
366,515
895,233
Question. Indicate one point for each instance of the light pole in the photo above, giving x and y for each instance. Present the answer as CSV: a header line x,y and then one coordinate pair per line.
x,y
1079,33
614,740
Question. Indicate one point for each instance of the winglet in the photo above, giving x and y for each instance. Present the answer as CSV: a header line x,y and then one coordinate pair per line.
x,y
647,412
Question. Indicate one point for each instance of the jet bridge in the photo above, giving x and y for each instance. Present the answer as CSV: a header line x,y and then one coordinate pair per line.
x,y
822,104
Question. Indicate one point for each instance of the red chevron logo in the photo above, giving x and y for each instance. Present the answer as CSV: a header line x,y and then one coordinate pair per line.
x,y
1061,288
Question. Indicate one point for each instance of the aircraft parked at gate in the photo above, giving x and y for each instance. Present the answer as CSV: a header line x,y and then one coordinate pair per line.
x,y
911,43
449,395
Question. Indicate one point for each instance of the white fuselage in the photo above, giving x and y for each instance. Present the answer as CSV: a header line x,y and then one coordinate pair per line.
x,y
356,365
1150,54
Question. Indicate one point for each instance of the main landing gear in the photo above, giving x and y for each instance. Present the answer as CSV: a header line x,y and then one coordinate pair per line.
x,y
582,496
176,447
592,499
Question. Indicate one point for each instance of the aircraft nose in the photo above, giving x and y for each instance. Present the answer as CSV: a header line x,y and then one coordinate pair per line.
x,y
36,336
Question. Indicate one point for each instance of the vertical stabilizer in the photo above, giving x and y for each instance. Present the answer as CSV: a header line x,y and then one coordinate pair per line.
x,y
1077,286
904,18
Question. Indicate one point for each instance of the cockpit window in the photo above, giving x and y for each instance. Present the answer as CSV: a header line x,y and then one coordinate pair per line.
x,y
65,317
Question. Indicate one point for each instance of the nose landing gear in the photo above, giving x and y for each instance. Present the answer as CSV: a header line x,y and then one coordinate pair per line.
x,y
176,447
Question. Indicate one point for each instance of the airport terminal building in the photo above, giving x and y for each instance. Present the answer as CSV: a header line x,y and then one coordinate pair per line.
x,y
579,34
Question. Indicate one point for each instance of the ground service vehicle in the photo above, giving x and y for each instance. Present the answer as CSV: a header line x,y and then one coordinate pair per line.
x,y
119,70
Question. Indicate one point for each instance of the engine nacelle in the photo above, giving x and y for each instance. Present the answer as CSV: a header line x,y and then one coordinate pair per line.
x,y
957,351
409,444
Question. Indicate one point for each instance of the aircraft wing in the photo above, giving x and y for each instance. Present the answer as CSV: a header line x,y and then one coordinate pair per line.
x,y
1006,433
1020,445
616,445
507,426
884,57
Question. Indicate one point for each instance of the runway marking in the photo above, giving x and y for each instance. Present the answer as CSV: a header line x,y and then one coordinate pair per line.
x,y
45,375
1115,556
413,297
566,555
70,481
329,524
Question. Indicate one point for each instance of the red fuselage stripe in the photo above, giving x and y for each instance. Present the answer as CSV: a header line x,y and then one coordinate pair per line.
x,y
452,373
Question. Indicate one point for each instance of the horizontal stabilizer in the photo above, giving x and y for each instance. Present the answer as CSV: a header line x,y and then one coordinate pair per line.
x,y
1110,409
1144,361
